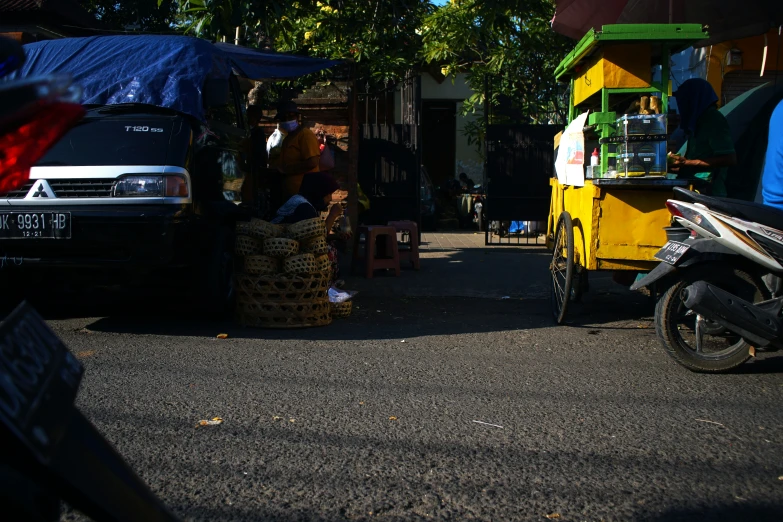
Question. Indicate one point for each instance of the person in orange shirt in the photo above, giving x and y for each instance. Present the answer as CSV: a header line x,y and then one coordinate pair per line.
x,y
300,153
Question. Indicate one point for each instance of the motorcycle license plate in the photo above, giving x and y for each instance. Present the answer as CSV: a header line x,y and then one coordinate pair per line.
x,y
671,252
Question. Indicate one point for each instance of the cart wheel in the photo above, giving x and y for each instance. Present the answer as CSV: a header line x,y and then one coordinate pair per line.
x,y
562,267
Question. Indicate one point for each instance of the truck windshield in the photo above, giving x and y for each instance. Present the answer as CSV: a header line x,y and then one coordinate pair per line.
x,y
114,140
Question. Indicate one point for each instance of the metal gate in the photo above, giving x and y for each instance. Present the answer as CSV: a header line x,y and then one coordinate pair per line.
x,y
390,151
519,162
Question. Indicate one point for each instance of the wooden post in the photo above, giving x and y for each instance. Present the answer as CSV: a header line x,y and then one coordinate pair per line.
x,y
354,137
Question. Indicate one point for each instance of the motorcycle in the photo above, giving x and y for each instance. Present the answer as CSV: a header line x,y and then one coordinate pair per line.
x,y
719,282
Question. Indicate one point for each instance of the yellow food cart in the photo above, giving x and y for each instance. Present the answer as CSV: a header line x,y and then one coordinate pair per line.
x,y
616,220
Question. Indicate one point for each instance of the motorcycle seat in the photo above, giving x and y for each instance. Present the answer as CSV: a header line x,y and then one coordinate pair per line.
x,y
747,210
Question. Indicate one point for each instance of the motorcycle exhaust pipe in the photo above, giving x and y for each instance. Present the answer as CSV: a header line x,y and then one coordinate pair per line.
x,y
756,325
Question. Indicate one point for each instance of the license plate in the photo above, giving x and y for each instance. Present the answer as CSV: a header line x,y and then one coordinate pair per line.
x,y
672,252
35,225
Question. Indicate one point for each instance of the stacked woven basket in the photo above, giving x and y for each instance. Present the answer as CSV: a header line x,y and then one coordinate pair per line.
x,y
285,280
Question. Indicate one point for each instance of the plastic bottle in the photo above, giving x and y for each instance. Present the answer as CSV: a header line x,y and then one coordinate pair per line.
x,y
345,223
594,158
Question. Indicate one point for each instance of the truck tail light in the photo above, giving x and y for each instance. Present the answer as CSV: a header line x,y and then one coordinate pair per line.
x,y
25,144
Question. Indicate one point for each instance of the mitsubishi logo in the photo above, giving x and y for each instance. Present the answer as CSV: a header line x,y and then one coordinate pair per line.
x,y
41,189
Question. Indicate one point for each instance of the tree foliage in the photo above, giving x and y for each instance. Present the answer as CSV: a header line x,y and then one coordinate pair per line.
x,y
134,15
260,21
509,42
380,36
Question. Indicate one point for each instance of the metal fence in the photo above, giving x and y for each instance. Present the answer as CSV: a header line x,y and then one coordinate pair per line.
x,y
519,162
390,151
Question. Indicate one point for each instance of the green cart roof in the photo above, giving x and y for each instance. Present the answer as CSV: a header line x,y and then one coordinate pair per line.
x,y
675,36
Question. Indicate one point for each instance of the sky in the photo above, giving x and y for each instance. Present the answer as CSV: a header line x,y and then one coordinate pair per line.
x,y
440,2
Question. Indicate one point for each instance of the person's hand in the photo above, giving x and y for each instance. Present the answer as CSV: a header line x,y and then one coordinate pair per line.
x,y
335,212
675,162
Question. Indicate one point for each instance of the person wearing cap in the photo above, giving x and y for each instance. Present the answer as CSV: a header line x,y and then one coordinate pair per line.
x,y
300,152
710,149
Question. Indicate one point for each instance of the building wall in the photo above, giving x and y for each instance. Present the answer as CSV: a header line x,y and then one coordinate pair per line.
x,y
468,158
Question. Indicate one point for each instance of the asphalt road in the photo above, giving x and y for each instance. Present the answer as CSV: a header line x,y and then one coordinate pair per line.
x,y
429,408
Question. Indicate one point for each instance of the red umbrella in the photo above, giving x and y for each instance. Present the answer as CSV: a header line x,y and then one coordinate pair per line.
x,y
725,19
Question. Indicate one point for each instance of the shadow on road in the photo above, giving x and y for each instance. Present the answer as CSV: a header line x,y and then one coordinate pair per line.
x,y
465,291
741,511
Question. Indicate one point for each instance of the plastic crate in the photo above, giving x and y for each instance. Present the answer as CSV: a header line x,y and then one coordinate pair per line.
x,y
641,124
642,159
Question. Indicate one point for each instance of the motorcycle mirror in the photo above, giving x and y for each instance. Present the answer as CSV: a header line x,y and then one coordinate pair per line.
x,y
11,56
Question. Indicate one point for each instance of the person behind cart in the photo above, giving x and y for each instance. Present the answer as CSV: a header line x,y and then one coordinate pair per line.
x,y
772,177
710,149
314,197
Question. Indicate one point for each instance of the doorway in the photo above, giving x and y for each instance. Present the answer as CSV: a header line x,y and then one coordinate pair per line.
x,y
439,139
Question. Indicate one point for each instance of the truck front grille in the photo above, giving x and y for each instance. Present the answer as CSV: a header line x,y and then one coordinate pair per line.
x,y
20,193
82,188
70,188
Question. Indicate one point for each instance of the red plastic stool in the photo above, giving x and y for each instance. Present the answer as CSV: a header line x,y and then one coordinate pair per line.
x,y
410,247
380,249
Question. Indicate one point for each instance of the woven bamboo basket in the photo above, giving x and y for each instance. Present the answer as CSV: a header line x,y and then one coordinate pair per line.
x,y
282,288
317,246
301,264
261,265
282,301
264,229
280,247
323,265
247,246
242,228
341,310
234,185
284,315
307,229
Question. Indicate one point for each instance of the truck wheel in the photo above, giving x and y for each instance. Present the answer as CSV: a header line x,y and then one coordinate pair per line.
x,y
691,340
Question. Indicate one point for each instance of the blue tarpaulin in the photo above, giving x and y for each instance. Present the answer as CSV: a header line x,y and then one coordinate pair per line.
x,y
166,71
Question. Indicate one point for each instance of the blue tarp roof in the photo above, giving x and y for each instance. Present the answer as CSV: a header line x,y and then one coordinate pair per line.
x,y
166,71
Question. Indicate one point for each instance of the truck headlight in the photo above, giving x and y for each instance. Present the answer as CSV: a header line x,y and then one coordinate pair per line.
x,y
142,186
139,187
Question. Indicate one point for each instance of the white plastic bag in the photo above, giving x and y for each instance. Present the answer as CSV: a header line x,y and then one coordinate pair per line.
x,y
340,296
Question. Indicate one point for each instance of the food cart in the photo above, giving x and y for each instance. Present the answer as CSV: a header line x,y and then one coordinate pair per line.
x,y
614,217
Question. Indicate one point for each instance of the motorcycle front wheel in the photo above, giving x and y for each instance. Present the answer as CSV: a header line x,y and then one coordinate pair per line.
x,y
693,341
